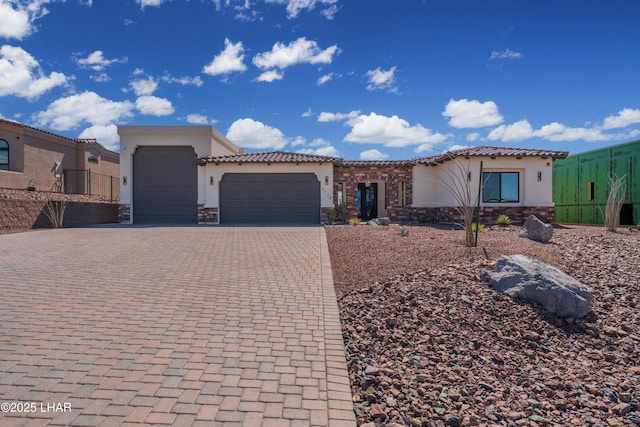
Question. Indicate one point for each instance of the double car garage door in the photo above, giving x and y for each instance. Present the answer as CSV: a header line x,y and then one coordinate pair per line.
x,y
266,198
165,190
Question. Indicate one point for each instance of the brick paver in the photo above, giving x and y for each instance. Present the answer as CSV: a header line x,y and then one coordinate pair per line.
x,y
215,326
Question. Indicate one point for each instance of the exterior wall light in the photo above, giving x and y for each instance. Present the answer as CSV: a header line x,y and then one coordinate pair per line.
x,y
539,176
124,180
326,180
210,180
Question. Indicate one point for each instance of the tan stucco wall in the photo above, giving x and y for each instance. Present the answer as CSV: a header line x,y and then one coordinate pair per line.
x,y
324,173
430,182
205,140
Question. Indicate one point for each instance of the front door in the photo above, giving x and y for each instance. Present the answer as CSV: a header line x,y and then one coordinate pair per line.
x,y
367,201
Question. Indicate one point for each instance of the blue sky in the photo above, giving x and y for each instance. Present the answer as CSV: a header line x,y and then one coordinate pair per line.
x,y
359,79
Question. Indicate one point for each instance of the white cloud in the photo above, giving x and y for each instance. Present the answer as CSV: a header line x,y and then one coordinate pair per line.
x,y
106,135
307,113
382,80
473,136
294,7
270,76
624,118
505,54
21,75
18,17
145,3
556,132
337,117
100,78
301,51
249,133
184,81
324,79
517,131
472,114
144,86
154,106
373,154
197,119
319,147
67,113
390,132
97,62
230,60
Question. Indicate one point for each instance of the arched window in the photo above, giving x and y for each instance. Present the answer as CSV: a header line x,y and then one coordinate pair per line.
x,y
4,155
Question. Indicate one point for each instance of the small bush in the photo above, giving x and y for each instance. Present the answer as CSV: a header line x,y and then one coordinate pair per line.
x,y
404,232
332,216
477,226
354,221
503,220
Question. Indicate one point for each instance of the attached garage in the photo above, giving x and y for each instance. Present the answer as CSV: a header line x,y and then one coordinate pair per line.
x,y
165,185
269,198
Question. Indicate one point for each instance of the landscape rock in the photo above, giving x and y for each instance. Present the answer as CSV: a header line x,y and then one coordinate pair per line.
x,y
483,358
537,230
533,281
384,221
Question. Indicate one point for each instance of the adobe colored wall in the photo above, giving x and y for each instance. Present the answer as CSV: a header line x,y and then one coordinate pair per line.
x,y
20,210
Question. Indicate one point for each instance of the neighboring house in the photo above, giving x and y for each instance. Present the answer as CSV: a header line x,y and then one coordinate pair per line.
x,y
161,182
35,159
580,185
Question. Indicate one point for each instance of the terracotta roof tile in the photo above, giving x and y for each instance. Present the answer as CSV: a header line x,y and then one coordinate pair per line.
x,y
378,163
487,151
269,157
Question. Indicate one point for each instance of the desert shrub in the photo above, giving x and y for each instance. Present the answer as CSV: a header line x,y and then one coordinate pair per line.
x,y
615,200
404,232
477,226
354,221
503,220
332,216
55,212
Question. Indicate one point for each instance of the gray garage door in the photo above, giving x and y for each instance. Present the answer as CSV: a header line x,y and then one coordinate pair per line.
x,y
279,198
165,185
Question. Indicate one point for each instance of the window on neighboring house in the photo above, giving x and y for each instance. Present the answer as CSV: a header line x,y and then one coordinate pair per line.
x,y
402,193
4,155
93,159
501,187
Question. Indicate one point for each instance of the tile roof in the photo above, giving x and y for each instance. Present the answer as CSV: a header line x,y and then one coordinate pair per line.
x,y
377,163
487,151
269,157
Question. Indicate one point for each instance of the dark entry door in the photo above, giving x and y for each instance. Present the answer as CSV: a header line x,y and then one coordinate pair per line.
x,y
367,201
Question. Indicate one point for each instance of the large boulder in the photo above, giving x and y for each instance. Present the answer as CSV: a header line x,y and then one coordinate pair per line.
x,y
537,230
533,281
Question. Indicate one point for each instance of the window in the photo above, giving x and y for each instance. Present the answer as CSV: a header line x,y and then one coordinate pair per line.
x,y
403,193
4,155
501,187
340,194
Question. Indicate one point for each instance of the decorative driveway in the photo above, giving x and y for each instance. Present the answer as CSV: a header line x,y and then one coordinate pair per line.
x,y
222,326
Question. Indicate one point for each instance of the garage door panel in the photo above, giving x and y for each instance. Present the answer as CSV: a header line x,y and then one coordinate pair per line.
x,y
270,198
165,187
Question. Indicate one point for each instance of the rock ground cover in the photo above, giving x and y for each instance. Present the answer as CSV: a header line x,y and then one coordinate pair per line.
x,y
429,343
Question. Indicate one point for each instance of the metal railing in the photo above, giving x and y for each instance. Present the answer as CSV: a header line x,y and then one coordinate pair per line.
x,y
91,183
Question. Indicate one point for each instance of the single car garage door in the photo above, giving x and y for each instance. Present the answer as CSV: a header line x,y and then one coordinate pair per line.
x,y
278,198
165,185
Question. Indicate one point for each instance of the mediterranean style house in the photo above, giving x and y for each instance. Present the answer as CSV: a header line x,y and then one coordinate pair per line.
x,y
193,174
34,159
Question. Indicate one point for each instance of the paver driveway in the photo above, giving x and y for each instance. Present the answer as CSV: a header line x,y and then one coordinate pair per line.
x,y
171,326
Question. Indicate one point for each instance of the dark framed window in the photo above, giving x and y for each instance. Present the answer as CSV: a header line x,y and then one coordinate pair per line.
x,y
501,187
4,155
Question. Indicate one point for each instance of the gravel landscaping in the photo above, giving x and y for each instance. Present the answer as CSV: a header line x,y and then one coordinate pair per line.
x,y
429,343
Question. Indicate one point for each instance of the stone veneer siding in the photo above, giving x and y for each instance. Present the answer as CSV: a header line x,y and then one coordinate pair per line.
x,y
388,175
207,215
124,213
488,214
